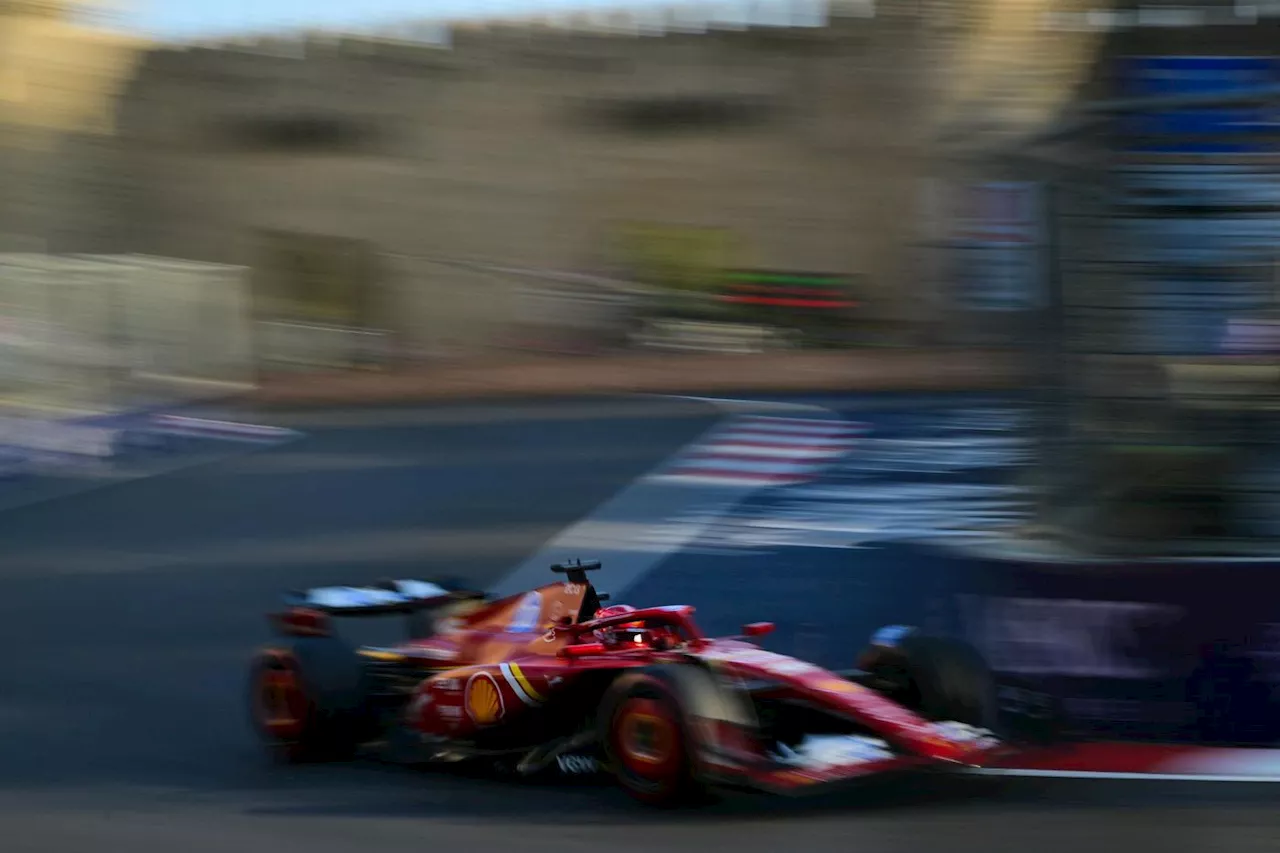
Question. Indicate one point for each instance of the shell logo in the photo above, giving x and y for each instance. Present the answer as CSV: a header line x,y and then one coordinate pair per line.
x,y
484,699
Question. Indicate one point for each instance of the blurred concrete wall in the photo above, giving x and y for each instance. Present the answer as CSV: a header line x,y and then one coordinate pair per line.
x,y
59,87
535,149
812,149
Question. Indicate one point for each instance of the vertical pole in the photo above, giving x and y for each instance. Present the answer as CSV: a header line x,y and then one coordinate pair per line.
x,y
1052,415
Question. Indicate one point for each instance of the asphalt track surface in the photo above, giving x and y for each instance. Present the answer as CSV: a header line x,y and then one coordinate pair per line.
x,y
128,614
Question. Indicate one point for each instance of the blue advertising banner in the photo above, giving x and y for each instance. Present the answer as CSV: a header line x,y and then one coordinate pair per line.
x,y
1227,129
1200,235
1173,650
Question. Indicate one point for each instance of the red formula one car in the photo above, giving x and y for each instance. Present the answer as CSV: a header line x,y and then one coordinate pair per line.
x,y
551,680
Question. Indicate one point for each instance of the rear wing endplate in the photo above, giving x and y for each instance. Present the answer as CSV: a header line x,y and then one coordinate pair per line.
x,y
392,597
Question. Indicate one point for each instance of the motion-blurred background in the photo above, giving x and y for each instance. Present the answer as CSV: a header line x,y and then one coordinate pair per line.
x,y
199,199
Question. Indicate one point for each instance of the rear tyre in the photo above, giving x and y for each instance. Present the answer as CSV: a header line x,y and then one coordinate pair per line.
x,y
308,702
939,678
645,741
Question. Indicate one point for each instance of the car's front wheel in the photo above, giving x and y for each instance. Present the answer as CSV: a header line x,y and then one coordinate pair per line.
x,y
644,737
940,678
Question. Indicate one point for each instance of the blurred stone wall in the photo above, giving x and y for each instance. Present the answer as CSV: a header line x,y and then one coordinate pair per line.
x,y
59,167
537,149
811,149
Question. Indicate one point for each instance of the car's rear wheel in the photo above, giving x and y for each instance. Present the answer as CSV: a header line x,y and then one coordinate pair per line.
x,y
308,702
643,733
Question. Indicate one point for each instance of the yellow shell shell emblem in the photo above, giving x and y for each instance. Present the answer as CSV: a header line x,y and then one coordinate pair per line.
x,y
484,699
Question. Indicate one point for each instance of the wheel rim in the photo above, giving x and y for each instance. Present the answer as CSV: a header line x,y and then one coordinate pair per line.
x,y
279,702
647,741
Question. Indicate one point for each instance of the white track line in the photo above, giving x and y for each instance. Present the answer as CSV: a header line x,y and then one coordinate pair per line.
x,y
1100,774
798,454
632,532
744,438
816,429
739,405
779,450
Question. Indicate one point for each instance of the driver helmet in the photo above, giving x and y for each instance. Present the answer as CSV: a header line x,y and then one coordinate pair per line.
x,y
613,610
618,632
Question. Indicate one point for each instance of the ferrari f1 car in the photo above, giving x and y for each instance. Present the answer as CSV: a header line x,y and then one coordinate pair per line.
x,y
553,679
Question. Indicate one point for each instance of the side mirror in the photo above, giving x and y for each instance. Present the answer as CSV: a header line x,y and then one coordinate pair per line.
x,y
582,650
757,629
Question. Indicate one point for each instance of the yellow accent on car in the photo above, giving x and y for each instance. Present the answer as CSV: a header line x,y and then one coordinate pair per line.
x,y
524,682
379,654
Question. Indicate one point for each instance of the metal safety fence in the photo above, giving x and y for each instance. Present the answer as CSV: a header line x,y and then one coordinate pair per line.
x,y
93,333
1164,292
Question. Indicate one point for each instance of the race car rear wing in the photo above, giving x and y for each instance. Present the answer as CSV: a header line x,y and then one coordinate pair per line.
x,y
391,597
310,613
576,571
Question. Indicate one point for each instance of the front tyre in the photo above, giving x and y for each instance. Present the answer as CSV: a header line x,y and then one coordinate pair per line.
x,y
939,678
645,741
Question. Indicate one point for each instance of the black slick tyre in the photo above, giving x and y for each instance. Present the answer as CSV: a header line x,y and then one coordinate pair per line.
x,y
939,678
308,701
644,737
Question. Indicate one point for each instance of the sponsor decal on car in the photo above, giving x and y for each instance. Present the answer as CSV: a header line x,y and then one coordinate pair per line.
x,y
520,684
577,765
527,615
483,699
